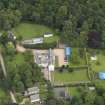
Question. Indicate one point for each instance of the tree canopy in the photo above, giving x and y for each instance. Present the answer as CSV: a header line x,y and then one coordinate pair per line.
x,y
75,19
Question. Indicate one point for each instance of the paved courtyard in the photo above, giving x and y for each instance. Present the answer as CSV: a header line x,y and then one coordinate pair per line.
x,y
60,54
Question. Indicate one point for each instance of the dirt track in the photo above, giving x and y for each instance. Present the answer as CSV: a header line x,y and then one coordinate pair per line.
x,y
20,48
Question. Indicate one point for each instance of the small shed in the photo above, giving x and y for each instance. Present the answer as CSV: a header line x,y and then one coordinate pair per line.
x,y
33,90
67,51
91,88
46,35
94,58
102,75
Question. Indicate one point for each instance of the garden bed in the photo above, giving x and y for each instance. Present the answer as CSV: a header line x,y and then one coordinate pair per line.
x,y
73,91
77,57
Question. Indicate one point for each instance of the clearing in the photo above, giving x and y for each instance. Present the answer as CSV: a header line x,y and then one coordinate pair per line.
x,y
28,31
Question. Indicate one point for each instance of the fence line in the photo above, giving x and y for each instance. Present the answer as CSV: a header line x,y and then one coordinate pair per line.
x,y
87,62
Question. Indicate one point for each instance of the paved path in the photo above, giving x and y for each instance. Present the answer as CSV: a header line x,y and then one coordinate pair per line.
x,y
3,66
5,75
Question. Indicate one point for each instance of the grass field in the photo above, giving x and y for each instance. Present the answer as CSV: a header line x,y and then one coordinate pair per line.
x,y
28,31
70,77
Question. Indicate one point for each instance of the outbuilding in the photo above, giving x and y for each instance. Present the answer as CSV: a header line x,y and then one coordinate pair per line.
x,y
34,41
46,35
33,90
34,98
67,51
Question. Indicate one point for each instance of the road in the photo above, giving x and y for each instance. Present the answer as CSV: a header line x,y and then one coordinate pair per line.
x,y
3,66
5,75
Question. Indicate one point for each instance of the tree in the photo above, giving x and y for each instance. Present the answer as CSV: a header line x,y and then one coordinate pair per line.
x,y
61,16
103,39
94,39
83,35
70,70
10,50
90,98
69,33
62,68
18,84
4,39
9,18
99,100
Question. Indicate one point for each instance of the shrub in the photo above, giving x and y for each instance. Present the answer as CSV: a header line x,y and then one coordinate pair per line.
x,y
98,63
70,70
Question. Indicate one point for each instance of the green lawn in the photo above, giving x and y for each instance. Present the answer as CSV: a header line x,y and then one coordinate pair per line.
x,y
101,60
72,91
28,31
70,77
77,57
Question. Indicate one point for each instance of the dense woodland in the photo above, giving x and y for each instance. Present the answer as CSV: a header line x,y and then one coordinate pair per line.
x,y
79,22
